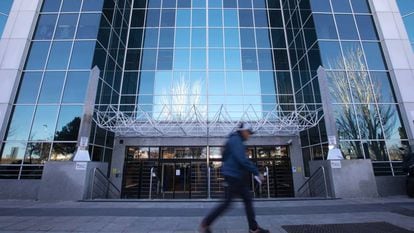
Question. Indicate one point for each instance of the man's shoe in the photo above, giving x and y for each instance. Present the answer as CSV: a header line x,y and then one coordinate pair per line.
x,y
259,230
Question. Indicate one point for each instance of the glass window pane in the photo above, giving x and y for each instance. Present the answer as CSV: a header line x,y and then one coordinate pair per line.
x,y
154,3
325,26
215,37
168,18
247,38
21,120
183,18
88,26
181,59
265,59
354,56
259,4
216,83
37,153
346,121
199,18
29,87
320,5
215,18
267,83
216,59
361,6
275,18
374,56
234,83
346,27
230,18
281,59
82,55
331,55
184,4
382,87
37,56
251,83
151,38
146,83
233,59
63,151
366,27
44,123
51,5
231,37
75,87
246,18
338,87
391,120
169,3
245,3
132,59
52,85
230,4
284,83
278,38
198,37
198,59
71,5
153,18
182,37
13,153
249,59
92,5
129,83
59,55
45,27
341,6
368,121
260,18
262,38
149,59
66,26
135,38
166,38
67,128
199,3
165,59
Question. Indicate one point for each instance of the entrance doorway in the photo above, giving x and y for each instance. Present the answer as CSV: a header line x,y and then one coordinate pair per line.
x,y
186,172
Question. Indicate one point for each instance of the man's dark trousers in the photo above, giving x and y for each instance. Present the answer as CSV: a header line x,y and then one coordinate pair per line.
x,y
236,187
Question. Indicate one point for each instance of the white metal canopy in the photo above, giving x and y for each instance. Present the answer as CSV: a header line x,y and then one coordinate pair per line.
x,y
199,121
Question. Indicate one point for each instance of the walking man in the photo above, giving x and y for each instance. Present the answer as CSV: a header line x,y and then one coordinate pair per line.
x,y
235,169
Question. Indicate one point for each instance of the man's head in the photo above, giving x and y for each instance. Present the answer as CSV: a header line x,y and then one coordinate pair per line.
x,y
245,130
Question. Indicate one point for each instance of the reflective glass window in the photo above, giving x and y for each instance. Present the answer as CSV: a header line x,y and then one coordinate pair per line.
x,y
45,27
37,55
146,83
153,18
151,38
149,59
265,59
129,83
233,83
183,18
21,120
341,6
182,37
360,6
92,5
278,38
138,18
59,55
198,58
165,59
215,3
260,18
168,18
198,37
267,83
409,22
154,3
366,27
382,87
249,59
62,151
169,3
132,59
331,55
215,18
181,59
88,26
346,121
353,55
198,18
275,18
51,5
246,18
166,37
199,3
52,85
374,56
233,59
284,83
320,5
281,59
263,38
66,26
216,83
29,87
184,4
216,59
230,4
247,38
135,38
44,123
346,27
75,87
231,37
338,87
13,153
37,153
259,4
251,83
230,18
406,6
68,123
325,26
82,55
71,5
245,3
368,121
215,36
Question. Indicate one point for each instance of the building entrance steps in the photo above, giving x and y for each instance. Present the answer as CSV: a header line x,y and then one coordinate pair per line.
x,y
184,216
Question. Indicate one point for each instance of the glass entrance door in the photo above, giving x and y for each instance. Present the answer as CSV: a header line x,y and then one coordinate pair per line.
x,y
175,179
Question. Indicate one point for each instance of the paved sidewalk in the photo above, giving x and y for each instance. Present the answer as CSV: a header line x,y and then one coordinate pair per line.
x,y
184,217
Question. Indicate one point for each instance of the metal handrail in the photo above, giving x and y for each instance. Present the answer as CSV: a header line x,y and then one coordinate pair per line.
x,y
267,180
95,170
150,186
314,175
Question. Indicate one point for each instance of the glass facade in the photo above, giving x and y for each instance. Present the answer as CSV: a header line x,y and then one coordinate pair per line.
x,y
5,6
407,13
175,54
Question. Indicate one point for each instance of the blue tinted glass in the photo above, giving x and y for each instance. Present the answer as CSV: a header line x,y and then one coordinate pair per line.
x,y
67,128
45,27
5,6
265,59
199,18
284,83
82,55
360,6
149,59
354,55
230,4
88,26
366,27
165,59
183,18
325,26
182,37
167,18
162,86
245,3
66,26
184,4
251,82
29,87
233,59
3,20
216,83
249,59
181,59
259,4
320,6
215,36
151,38
153,18
331,55
262,38
230,18
214,3
129,83
341,6
216,59
75,87
346,27
52,85
275,18
44,123
146,83
51,5
169,3
215,18
247,38
409,22
20,123
198,38
260,18
71,5
246,18
37,56
267,83
154,3
59,55
231,37
199,3
233,83
92,5
198,58
406,6
278,38
281,59
374,56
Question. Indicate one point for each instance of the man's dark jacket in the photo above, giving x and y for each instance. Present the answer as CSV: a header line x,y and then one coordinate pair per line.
x,y
235,162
